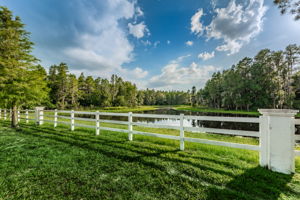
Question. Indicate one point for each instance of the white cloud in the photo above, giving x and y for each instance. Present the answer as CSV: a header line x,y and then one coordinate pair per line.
x,y
196,25
138,30
168,42
156,43
100,52
139,73
189,43
139,11
146,42
94,40
206,55
133,74
180,59
102,45
236,24
178,77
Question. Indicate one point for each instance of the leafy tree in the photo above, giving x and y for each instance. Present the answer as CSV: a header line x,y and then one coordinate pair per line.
x,y
73,91
269,80
22,82
291,6
140,97
193,96
115,82
105,93
89,92
296,86
59,84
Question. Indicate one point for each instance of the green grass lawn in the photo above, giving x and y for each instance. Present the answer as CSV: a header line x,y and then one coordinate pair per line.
x,y
42,162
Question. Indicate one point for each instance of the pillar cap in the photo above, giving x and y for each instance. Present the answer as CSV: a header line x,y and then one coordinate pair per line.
x,y
278,112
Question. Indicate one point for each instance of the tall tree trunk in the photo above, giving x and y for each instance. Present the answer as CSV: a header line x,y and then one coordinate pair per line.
x,y
14,117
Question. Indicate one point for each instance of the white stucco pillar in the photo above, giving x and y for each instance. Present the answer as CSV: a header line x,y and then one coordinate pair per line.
x,y
277,139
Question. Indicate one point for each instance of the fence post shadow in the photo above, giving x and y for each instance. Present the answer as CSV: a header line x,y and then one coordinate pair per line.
x,y
254,183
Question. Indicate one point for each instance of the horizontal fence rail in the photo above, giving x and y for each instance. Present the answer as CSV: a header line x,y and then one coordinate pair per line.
x,y
223,131
155,125
297,121
224,119
226,144
157,135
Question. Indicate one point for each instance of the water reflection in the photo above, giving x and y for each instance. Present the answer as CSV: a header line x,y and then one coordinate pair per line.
x,y
199,123
187,122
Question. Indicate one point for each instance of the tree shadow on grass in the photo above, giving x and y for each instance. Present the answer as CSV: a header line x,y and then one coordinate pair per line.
x,y
255,183
126,150
118,150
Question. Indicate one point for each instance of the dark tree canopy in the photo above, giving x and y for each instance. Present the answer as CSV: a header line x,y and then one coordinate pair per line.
x,y
68,91
289,6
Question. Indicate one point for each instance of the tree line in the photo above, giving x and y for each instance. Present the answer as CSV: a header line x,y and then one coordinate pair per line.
x,y
68,91
269,80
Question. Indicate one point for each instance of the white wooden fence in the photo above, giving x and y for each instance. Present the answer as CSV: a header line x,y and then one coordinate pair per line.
x,y
276,130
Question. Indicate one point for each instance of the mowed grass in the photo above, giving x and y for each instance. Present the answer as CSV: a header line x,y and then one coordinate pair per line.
x,y
42,162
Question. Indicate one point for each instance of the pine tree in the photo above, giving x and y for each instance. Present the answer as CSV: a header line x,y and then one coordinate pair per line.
x,y
22,82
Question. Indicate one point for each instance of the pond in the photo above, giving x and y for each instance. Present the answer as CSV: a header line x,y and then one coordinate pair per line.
x,y
191,123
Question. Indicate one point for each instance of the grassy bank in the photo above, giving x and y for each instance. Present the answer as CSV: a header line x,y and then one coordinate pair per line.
x,y
127,109
213,110
47,163
119,109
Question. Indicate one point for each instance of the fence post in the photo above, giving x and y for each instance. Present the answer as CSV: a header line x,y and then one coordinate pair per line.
x,y
19,115
39,115
277,139
55,118
26,116
72,120
10,114
97,117
263,140
130,136
181,132
5,114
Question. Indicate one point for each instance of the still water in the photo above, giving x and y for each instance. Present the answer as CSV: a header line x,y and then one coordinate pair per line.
x,y
191,123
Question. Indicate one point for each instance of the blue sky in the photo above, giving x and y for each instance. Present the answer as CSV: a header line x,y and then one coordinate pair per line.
x,y
161,44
